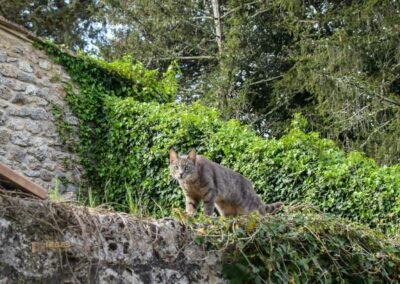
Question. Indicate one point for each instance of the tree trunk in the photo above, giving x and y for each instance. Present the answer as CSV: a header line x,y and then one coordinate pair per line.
x,y
218,25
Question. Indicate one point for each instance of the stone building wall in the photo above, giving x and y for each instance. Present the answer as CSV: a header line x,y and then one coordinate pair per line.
x,y
31,88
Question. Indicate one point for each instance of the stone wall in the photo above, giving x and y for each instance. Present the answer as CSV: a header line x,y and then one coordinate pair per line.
x,y
31,88
99,247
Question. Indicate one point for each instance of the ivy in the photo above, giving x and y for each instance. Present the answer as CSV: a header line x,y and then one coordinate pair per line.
x,y
96,81
128,122
124,142
299,246
297,167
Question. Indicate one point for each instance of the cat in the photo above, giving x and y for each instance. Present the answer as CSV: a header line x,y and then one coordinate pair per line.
x,y
202,179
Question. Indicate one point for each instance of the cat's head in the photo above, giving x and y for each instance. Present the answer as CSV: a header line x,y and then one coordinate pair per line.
x,y
182,167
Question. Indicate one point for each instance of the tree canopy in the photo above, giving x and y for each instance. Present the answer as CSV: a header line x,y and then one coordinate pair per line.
x,y
337,62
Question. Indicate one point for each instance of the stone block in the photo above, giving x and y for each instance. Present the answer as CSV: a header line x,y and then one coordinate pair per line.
x,y
3,103
5,93
26,77
33,58
20,99
38,114
4,137
16,124
21,139
44,64
33,127
14,84
9,70
32,174
34,113
19,50
16,154
49,166
11,59
25,66
43,92
31,90
46,176
41,153
32,163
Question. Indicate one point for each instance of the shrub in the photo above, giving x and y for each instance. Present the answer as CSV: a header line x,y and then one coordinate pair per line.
x,y
297,167
124,147
299,246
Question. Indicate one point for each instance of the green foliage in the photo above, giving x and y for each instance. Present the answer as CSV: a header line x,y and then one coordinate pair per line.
x,y
337,62
297,167
124,143
98,80
54,193
345,72
298,246
68,22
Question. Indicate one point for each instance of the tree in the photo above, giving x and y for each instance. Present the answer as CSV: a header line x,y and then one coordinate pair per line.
x,y
345,73
262,61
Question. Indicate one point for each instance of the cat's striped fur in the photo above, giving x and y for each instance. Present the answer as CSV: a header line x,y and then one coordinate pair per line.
x,y
202,179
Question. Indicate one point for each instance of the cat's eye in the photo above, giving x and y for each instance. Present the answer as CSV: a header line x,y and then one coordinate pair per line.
x,y
176,167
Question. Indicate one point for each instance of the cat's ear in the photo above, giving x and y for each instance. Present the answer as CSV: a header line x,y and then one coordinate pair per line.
x,y
192,155
173,156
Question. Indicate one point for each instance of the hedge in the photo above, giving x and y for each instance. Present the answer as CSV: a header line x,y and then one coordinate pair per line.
x,y
299,246
297,167
125,138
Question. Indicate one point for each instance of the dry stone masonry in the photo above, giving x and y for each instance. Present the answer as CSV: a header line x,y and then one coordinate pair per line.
x,y
31,89
99,247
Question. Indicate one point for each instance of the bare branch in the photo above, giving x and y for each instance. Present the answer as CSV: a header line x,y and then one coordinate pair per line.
x,y
266,80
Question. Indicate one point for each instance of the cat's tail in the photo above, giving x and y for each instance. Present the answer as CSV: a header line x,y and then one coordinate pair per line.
x,y
270,208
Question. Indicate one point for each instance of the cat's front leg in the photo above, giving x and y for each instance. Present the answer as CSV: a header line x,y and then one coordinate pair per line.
x,y
209,202
191,205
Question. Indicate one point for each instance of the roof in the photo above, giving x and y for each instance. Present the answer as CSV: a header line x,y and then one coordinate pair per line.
x,y
10,179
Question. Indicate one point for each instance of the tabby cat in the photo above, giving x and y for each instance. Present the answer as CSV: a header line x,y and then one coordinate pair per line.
x,y
202,179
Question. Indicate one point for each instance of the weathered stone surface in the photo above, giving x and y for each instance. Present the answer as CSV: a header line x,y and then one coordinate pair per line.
x,y
103,247
2,118
21,139
19,50
32,163
16,123
30,173
3,56
11,59
4,104
45,175
14,84
9,70
4,136
34,113
41,153
44,64
20,99
31,90
16,154
26,77
34,127
5,93
25,66
29,141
